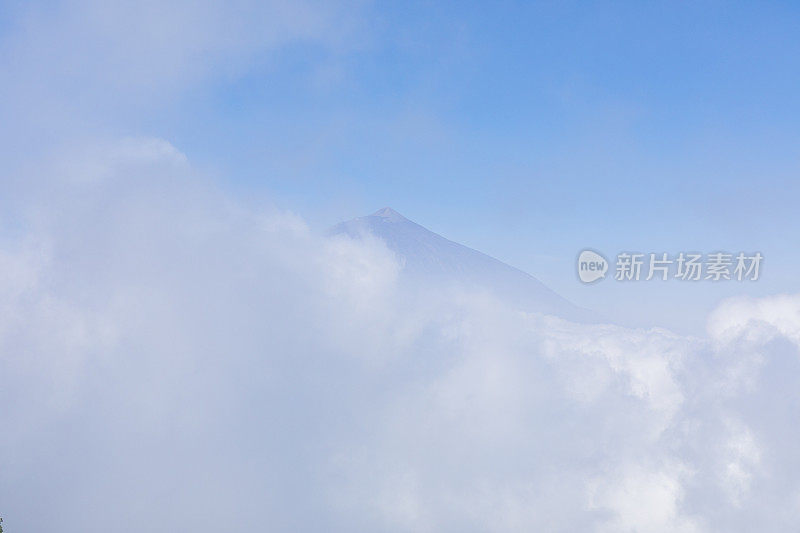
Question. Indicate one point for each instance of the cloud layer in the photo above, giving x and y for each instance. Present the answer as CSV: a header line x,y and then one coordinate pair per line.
x,y
173,358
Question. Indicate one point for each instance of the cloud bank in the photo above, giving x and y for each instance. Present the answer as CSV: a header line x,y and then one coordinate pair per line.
x,y
174,358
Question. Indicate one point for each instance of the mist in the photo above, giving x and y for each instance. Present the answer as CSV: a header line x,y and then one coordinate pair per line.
x,y
173,356
184,348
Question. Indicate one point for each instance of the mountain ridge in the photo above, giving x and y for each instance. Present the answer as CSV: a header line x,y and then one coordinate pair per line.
x,y
428,256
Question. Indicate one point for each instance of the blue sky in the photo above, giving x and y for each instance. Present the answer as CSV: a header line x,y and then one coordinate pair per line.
x,y
164,305
527,130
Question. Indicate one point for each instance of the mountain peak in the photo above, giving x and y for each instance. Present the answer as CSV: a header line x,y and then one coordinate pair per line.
x,y
389,214
432,259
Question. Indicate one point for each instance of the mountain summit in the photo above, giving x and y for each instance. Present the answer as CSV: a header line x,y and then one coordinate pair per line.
x,y
389,214
430,258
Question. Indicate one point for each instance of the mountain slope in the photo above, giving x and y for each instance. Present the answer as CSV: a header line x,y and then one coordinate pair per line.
x,y
429,257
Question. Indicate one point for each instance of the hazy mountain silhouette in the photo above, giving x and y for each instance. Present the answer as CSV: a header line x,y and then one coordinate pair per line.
x,y
429,257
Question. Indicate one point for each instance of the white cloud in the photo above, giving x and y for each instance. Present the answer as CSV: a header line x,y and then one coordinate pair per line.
x,y
148,48
643,500
77,69
170,352
756,319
